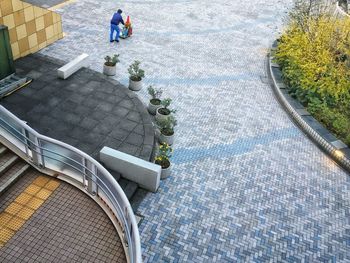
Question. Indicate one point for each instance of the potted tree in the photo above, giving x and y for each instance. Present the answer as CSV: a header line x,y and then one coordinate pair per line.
x,y
163,159
166,127
163,112
136,75
154,102
109,67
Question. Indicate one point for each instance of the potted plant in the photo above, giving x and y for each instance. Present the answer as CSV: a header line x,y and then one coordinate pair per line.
x,y
163,159
154,102
163,112
109,67
136,75
166,127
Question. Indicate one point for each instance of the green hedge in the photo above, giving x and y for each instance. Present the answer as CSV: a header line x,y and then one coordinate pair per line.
x,y
314,54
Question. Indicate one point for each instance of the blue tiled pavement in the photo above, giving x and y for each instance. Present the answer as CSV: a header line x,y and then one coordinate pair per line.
x,y
240,146
247,185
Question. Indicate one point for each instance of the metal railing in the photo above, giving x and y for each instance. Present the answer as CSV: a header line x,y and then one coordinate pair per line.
x,y
48,153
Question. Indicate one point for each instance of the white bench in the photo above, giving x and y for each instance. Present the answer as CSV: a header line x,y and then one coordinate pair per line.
x,y
145,174
73,66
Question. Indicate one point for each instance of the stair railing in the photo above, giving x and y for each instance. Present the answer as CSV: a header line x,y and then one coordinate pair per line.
x,y
62,158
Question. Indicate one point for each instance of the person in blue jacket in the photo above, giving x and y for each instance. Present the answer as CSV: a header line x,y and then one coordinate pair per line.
x,y
115,21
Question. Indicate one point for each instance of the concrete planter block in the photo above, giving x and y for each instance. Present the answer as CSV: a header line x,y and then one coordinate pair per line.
x,y
73,66
145,174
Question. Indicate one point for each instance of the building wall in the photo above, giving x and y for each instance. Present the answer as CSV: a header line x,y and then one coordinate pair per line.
x,y
30,27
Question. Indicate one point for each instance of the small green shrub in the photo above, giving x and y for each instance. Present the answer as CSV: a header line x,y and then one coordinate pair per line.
x,y
167,125
112,61
136,73
155,95
347,139
165,109
164,154
336,122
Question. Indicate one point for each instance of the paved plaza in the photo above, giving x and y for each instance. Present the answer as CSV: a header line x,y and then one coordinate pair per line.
x,y
87,110
247,185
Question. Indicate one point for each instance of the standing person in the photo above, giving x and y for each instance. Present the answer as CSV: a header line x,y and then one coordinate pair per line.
x,y
116,19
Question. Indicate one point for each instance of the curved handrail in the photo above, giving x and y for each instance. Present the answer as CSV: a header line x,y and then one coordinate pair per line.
x,y
43,148
97,176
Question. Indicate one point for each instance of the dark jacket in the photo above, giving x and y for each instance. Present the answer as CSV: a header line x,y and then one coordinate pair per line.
x,y
116,19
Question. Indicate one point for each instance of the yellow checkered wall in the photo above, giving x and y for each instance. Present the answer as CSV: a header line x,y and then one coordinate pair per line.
x,y
31,28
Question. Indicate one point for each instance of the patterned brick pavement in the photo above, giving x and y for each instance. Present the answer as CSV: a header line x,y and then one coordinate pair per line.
x,y
247,185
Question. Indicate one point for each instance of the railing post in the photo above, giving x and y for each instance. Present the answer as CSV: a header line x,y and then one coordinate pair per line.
x,y
36,151
92,186
26,137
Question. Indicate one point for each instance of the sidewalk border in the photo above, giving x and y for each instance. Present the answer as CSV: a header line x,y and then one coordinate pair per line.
x,y
323,138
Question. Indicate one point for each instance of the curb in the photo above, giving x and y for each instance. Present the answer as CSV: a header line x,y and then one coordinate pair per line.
x,y
324,139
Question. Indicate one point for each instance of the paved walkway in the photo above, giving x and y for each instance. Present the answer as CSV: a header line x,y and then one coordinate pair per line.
x,y
45,3
87,110
247,184
46,220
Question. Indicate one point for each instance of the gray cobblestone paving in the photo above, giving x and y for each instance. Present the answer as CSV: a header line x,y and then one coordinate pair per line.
x,y
247,185
92,111
44,3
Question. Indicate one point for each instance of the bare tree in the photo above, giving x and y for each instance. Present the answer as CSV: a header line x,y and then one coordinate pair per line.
x,y
305,10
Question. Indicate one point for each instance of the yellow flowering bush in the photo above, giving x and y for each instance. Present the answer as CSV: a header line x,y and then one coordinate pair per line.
x,y
164,154
315,59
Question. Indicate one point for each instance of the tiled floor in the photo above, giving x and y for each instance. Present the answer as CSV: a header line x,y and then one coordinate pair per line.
x,y
60,224
247,185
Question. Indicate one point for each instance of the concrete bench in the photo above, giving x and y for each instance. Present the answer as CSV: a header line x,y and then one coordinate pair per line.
x,y
145,174
73,66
